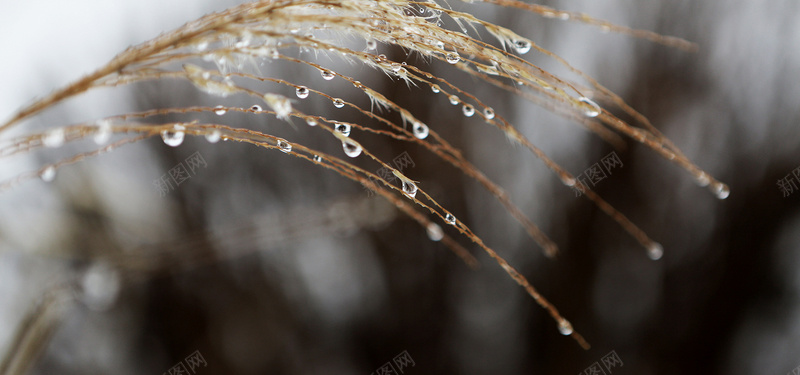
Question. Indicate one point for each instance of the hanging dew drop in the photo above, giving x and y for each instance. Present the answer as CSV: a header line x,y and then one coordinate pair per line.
x,y
338,103
317,158
452,57
327,75
436,89
173,137
703,179
220,110
655,251
214,136
284,146
48,173
343,128
256,108
721,190
488,113
590,108
396,67
522,46
453,99
564,327
468,110
409,189
311,121
450,219
302,92
421,130
103,132
351,148
435,232
54,138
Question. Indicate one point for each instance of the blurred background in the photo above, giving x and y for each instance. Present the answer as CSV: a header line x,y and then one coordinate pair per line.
x,y
263,264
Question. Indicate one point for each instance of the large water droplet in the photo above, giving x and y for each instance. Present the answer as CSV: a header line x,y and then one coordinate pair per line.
x,y
522,46
721,190
256,108
590,108
564,327
173,137
435,89
213,136
220,110
435,232
311,121
302,92
372,44
48,173
54,138
450,219
327,75
351,148
452,57
421,130
343,128
284,146
489,113
409,189
338,103
395,67
468,110
655,251
317,158
453,99
103,132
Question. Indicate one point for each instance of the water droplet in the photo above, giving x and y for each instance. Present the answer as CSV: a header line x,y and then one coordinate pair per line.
x,y
421,130
450,219
409,189
100,286
302,92
569,181
284,146
48,173
311,121
655,251
327,75
439,44
564,327
351,148
338,103
468,110
453,99
452,57
54,138
220,110
435,89
590,108
173,137
489,113
396,67
721,190
213,136
343,128
256,108
522,46
103,132
318,158
435,232
372,44
703,179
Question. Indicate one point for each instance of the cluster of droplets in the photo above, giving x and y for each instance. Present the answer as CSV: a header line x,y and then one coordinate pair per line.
x,y
174,137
